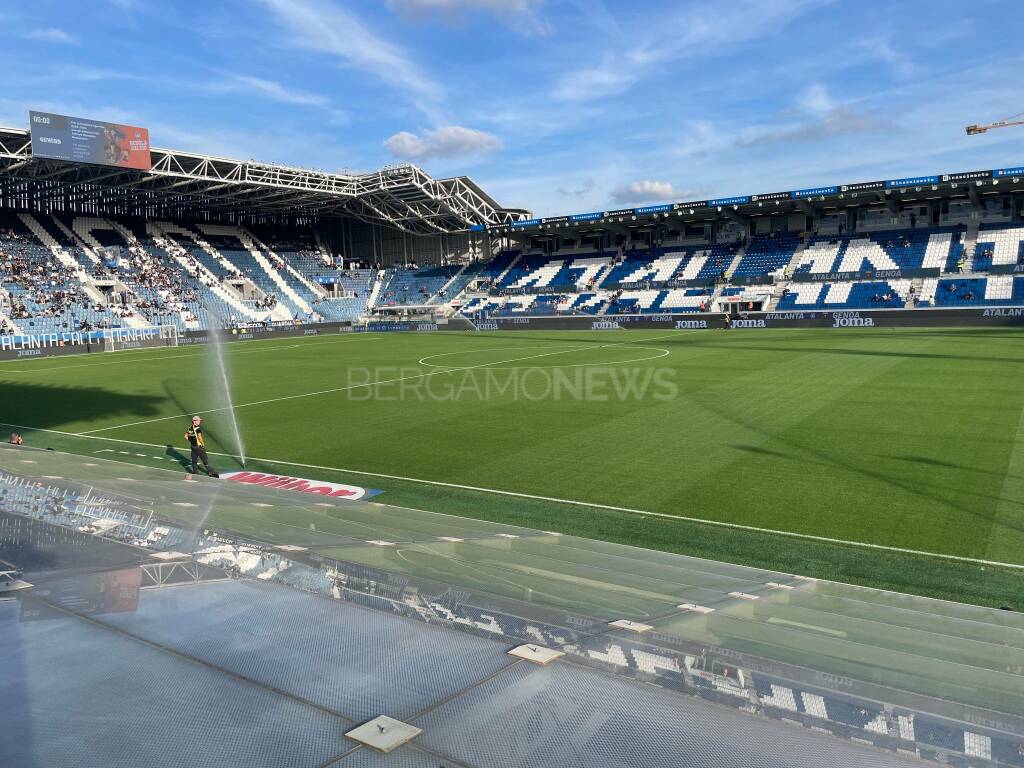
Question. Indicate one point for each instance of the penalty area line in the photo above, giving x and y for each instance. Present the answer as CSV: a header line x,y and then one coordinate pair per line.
x,y
576,503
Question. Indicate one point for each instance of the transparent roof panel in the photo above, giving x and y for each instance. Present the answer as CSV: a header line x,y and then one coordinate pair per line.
x,y
140,609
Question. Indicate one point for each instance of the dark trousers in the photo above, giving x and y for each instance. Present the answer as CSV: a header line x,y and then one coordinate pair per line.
x,y
199,454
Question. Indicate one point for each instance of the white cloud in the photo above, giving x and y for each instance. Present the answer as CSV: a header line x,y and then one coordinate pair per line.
x,y
517,6
615,76
521,13
643,192
504,6
696,31
585,188
816,99
277,92
324,27
596,12
52,35
834,122
880,48
448,141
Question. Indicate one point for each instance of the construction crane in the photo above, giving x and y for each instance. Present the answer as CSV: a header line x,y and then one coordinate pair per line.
x,y
1014,120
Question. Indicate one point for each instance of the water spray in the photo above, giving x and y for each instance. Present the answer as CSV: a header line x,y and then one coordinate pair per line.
x,y
216,345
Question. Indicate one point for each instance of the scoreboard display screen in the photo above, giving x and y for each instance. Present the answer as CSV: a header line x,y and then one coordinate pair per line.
x,y
59,137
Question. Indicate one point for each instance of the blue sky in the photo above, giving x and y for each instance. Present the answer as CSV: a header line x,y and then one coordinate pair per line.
x,y
554,105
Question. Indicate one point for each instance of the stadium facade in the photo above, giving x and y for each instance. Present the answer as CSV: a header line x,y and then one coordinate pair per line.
x,y
190,241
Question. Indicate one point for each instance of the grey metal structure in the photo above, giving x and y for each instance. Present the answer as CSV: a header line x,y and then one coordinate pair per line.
x,y
189,185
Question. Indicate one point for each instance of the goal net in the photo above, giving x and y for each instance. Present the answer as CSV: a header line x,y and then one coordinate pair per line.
x,y
117,339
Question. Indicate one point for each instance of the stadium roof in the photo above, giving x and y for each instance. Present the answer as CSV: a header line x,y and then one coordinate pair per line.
x,y
401,196
889,192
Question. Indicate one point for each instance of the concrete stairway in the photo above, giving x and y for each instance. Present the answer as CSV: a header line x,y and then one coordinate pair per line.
x,y
88,286
315,288
261,260
159,231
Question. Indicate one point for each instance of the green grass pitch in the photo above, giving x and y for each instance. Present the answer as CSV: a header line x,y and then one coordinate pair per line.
x,y
910,439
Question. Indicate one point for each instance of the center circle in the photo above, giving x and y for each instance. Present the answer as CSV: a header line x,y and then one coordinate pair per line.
x,y
531,356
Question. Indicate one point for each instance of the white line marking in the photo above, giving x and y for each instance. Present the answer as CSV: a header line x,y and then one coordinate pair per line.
x,y
576,503
801,625
495,367
137,358
368,384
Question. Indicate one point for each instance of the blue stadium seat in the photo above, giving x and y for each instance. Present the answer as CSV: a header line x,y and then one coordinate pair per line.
x,y
765,254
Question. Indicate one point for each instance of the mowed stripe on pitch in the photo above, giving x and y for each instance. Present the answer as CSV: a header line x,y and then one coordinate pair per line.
x,y
567,502
332,390
137,356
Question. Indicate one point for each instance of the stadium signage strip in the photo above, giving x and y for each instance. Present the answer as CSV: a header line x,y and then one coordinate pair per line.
x,y
815,192
967,176
75,338
864,186
302,485
912,181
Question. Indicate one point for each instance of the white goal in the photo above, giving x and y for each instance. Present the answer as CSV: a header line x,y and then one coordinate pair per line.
x,y
116,339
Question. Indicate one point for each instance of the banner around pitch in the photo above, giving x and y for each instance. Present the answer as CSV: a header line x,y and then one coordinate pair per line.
x,y
302,485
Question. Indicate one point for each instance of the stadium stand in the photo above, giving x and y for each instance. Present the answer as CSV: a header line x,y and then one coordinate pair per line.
x,y
890,294
994,290
998,244
664,265
85,272
880,269
65,272
766,254
409,287
76,272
